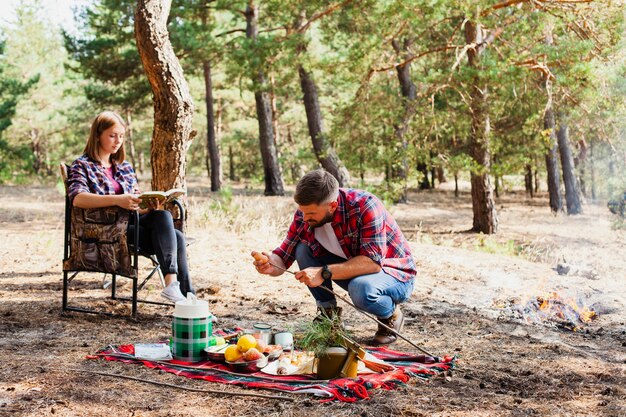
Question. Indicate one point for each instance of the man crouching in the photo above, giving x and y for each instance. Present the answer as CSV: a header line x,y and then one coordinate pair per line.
x,y
346,236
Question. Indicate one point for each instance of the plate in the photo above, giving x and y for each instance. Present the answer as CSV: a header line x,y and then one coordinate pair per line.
x,y
215,353
249,366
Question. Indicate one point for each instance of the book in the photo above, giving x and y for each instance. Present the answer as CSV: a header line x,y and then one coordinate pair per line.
x,y
161,196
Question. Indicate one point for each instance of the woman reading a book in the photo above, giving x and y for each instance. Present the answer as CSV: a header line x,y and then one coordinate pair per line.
x,y
102,178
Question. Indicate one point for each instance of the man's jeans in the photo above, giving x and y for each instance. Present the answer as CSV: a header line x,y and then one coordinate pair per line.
x,y
376,293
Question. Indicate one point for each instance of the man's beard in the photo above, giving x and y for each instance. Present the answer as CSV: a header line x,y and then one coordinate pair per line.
x,y
327,219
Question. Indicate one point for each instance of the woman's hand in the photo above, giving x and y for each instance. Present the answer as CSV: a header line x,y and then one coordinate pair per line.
x,y
128,201
153,204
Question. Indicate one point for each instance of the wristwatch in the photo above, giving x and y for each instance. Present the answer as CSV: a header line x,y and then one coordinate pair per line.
x,y
326,274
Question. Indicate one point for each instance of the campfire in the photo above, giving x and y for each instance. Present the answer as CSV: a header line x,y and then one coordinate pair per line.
x,y
551,310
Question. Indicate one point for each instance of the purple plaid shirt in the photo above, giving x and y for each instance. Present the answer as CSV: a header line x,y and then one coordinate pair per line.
x,y
88,176
363,226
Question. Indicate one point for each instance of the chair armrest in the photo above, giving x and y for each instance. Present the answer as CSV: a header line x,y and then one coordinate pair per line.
x,y
179,221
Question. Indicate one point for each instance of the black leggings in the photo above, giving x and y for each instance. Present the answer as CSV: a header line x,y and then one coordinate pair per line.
x,y
158,236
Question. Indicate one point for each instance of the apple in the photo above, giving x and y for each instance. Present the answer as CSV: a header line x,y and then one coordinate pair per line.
x,y
252,354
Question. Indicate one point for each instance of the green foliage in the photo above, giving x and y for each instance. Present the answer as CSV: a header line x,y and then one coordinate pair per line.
x,y
321,334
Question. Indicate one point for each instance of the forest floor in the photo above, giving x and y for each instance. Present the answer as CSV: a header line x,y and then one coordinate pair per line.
x,y
463,305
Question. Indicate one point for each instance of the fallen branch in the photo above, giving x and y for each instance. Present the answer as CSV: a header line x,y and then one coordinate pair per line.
x,y
208,391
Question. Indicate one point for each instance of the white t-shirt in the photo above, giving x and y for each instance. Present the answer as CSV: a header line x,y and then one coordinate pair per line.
x,y
326,237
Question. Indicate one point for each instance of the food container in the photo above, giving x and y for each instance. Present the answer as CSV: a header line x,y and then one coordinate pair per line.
x,y
216,353
191,329
262,331
249,366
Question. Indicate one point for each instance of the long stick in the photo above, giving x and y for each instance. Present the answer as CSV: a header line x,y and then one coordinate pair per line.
x,y
209,391
366,314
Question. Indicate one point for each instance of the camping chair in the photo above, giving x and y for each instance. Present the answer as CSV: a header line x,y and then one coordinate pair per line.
x,y
95,240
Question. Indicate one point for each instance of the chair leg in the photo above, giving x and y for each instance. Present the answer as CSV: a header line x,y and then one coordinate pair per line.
x,y
65,285
134,307
113,286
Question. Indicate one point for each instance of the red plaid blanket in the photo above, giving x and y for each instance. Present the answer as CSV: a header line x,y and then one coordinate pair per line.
x,y
406,366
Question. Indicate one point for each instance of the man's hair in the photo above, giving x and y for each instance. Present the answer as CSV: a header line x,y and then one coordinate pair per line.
x,y
316,187
102,122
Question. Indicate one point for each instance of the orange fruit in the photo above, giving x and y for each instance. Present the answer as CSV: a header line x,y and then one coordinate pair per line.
x,y
246,342
232,353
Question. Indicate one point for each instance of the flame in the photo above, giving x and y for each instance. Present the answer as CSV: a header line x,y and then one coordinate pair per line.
x,y
551,308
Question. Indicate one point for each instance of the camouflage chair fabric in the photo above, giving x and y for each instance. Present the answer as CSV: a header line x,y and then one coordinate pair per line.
x,y
98,241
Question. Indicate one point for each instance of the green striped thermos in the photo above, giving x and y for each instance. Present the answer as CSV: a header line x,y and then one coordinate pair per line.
x,y
192,328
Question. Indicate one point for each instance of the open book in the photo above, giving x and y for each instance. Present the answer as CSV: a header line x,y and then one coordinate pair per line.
x,y
161,196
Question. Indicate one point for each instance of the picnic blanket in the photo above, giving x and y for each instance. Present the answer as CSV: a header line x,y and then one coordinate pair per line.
x,y
405,366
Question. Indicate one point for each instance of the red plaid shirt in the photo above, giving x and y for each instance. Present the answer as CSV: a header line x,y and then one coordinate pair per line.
x,y
363,226
88,176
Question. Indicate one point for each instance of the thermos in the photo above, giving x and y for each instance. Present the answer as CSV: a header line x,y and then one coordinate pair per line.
x,y
192,328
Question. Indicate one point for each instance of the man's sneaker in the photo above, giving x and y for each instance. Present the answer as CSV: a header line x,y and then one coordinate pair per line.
x,y
395,322
172,292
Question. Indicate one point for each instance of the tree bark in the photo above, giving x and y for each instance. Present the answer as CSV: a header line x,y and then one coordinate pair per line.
x,y
552,167
130,138
269,155
400,167
572,191
173,105
528,181
483,204
213,160
324,152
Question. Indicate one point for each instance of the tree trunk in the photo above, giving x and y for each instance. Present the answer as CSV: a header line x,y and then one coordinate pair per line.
x,y
326,155
552,166
441,175
528,181
483,204
409,96
130,138
456,185
231,164
424,183
213,160
173,105
269,155
572,192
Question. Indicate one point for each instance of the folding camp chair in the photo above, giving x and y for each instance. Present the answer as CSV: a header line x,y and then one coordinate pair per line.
x,y
96,240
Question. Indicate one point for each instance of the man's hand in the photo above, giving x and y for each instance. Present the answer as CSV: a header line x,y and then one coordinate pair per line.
x,y
311,277
262,263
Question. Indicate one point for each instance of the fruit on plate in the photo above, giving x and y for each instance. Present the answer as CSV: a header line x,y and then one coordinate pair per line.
x,y
232,353
252,354
261,345
246,342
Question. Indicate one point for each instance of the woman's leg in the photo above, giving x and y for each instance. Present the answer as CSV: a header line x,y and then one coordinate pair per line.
x,y
157,235
183,270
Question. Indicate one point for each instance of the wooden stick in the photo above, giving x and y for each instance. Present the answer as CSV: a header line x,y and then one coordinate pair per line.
x,y
209,391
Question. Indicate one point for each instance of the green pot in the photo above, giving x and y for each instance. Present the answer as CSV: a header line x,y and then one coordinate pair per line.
x,y
330,364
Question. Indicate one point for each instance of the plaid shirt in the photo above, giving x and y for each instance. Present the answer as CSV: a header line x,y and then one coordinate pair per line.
x,y
87,176
363,227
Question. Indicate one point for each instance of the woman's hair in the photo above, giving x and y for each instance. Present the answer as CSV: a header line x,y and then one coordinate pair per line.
x,y
316,187
102,122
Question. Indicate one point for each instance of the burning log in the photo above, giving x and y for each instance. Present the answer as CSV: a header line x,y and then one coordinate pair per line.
x,y
552,310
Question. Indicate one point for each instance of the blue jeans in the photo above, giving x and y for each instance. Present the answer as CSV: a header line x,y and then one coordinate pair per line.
x,y
376,293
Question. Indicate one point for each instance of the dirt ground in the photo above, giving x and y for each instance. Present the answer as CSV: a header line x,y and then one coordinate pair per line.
x,y
506,366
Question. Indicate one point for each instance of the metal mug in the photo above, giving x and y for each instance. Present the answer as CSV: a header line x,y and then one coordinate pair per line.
x,y
285,339
263,331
